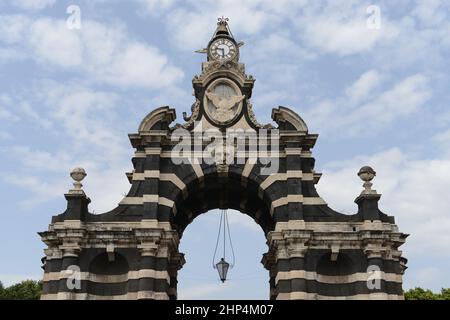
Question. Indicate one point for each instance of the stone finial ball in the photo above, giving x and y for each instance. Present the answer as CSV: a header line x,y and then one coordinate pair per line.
x,y
366,173
78,174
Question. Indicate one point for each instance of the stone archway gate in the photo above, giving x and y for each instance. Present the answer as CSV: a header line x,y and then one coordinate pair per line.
x,y
132,251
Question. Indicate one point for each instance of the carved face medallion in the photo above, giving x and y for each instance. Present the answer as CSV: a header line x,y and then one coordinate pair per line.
x,y
223,101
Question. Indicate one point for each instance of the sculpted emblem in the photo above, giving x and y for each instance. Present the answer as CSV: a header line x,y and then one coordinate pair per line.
x,y
223,101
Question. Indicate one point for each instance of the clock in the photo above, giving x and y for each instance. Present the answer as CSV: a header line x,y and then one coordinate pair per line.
x,y
222,49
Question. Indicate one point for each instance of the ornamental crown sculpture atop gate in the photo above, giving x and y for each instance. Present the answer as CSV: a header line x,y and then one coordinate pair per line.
x,y
132,251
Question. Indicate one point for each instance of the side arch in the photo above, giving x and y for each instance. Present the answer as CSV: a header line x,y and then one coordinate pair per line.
x,y
108,274
158,119
287,119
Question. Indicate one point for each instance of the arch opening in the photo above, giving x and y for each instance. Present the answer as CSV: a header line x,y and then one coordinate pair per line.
x,y
108,273
247,280
197,221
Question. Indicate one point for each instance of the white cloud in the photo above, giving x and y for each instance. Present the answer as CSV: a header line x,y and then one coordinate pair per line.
x,y
236,219
343,117
242,220
86,115
6,105
269,98
40,160
42,189
332,34
5,113
105,183
442,139
422,38
431,13
339,27
53,43
155,7
5,135
403,99
37,118
106,53
85,122
13,28
11,54
323,27
46,176
426,277
191,25
277,44
106,186
141,65
366,83
34,4
318,27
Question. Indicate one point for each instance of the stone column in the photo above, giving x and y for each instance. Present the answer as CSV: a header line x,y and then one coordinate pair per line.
x,y
70,275
148,263
375,272
176,263
269,263
294,183
52,266
151,183
156,246
288,249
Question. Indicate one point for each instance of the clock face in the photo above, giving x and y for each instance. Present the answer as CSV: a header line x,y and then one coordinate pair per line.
x,y
222,49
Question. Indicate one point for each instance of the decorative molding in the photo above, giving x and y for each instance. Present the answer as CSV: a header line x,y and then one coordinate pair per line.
x,y
113,278
345,279
300,295
86,296
211,67
190,120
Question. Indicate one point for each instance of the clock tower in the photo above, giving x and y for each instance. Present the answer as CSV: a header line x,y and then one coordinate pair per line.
x,y
223,46
223,89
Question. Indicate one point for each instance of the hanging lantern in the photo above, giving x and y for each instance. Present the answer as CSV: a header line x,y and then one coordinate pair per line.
x,y
222,267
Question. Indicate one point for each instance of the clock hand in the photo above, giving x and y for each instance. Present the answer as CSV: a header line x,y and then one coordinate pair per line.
x,y
223,52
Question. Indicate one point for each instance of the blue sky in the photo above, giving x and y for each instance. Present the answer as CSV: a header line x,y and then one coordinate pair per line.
x,y
376,96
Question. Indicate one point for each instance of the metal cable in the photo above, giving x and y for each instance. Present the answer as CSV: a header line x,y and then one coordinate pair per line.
x,y
217,242
226,230
224,213
229,236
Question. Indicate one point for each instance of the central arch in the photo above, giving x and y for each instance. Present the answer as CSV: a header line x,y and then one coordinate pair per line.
x,y
221,191
215,190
